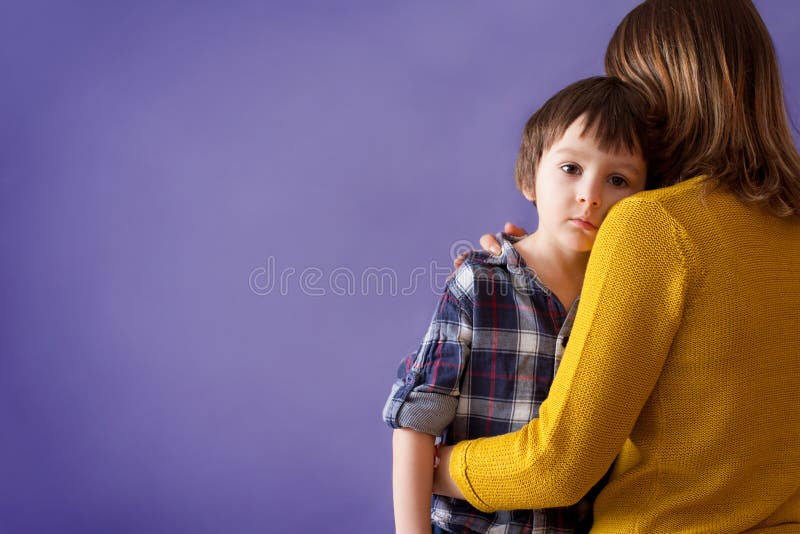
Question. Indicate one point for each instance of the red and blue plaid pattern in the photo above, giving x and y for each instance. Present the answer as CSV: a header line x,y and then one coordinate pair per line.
x,y
484,367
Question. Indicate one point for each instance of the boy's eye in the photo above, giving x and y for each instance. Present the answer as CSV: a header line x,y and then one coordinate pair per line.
x,y
571,168
618,181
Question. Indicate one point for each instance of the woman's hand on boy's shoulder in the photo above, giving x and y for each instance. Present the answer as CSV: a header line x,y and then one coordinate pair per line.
x,y
491,244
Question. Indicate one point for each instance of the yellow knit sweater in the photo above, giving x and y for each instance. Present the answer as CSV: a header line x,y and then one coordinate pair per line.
x,y
684,362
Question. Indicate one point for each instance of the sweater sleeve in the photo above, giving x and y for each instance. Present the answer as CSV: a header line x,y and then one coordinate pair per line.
x,y
631,307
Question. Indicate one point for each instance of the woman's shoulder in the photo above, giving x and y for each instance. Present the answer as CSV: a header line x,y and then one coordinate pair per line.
x,y
686,192
702,207
655,223
685,205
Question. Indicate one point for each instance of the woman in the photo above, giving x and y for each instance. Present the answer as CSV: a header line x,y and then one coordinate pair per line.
x,y
684,361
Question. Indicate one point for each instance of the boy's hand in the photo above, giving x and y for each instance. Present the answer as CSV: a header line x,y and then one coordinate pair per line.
x,y
490,243
412,480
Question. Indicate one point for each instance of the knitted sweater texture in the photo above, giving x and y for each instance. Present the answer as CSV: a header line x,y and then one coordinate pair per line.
x,y
684,365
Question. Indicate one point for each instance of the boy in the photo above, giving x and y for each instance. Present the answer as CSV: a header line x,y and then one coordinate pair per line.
x,y
495,340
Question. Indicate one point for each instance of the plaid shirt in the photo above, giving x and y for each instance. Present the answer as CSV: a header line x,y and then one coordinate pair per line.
x,y
484,367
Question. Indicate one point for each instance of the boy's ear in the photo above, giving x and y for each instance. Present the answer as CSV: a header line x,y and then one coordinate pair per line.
x,y
529,192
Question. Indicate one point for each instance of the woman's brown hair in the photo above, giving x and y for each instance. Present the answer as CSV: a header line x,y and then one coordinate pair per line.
x,y
710,73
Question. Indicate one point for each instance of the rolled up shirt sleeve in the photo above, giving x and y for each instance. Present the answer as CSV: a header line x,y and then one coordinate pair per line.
x,y
425,396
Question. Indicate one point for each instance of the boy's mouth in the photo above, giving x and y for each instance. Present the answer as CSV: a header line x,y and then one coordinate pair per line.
x,y
584,223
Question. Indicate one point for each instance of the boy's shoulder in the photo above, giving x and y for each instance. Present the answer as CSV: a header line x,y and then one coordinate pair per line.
x,y
483,259
479,270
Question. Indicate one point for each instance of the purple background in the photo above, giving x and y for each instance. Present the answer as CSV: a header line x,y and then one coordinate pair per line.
x,y
155,157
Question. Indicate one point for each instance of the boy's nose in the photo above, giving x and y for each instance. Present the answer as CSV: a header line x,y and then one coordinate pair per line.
x,y
589,197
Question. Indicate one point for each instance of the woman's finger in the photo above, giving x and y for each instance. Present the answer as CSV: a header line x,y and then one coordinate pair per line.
x,y
513,229
490,244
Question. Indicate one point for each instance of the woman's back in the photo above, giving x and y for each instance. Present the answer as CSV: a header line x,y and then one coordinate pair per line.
x,y
685,353
716,446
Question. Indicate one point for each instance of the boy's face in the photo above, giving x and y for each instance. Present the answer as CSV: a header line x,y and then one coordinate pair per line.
x,y
577,183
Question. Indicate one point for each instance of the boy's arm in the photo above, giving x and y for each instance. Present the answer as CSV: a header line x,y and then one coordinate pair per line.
x,y
425,395
424,401
412,480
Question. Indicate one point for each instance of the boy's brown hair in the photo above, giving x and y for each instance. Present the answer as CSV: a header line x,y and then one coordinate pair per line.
x,y
709,71
614,113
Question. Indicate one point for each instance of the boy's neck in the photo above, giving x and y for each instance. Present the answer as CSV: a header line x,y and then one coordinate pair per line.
x,y
561,271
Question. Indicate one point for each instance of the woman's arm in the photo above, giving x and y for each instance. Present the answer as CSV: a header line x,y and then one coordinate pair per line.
x,y
412,480
631,307
443,484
